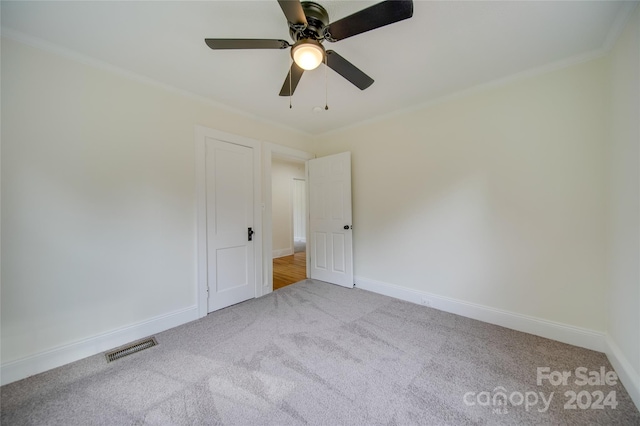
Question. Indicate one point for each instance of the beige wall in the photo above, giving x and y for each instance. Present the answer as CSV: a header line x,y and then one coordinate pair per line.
x,y
624,199
283,172
497,198
98,198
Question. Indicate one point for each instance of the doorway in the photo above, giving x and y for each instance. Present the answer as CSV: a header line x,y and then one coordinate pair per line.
x,y
289,221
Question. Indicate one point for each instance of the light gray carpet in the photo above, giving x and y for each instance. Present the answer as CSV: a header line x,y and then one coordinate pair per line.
x,y
314,353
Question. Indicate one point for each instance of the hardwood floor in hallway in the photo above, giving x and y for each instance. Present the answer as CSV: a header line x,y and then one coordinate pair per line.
x,y
289,269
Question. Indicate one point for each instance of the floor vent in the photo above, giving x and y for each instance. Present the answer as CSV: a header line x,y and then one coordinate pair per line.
x,y
131,349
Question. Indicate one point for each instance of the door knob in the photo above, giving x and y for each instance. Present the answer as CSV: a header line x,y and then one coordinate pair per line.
x,y
347,227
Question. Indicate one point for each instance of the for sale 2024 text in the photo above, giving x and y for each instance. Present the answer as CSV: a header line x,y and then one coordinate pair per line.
x,y
582,376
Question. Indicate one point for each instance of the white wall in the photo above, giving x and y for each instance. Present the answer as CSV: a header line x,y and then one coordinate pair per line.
x,y
495,199
283,172
624,223
98,199
299,210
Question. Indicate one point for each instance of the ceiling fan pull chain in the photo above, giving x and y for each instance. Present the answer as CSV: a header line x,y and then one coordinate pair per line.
x,y
326,84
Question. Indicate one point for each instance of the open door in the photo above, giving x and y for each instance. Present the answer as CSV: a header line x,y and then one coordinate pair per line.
x,y
330,227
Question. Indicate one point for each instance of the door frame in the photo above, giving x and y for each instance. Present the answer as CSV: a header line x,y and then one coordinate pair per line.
x,y
283,152
201,134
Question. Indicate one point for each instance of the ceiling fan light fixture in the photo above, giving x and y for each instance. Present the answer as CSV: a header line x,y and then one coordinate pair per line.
x,y
307,54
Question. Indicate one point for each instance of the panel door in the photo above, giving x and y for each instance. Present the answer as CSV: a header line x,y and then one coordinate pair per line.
x,y
229,199
330,230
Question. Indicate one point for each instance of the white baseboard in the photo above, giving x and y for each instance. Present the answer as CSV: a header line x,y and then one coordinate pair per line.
x,y
577,336
282,252
540,327
38,363
627,374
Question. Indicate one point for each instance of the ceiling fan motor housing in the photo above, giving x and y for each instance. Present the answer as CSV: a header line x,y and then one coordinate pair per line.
x,y
317,19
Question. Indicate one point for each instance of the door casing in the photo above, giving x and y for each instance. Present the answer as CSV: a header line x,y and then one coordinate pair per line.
x,y
201,135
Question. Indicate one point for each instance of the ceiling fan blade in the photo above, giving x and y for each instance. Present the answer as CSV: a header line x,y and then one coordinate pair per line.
x,y
376,16
292,9
295,73
348,70
245,43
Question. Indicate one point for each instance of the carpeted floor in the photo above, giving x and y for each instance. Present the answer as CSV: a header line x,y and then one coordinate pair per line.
x,y
315,353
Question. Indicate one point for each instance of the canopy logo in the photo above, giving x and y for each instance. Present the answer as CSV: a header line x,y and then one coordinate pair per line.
x,y
499,400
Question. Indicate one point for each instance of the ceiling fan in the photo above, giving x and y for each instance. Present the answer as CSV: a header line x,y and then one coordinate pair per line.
x,y
309,27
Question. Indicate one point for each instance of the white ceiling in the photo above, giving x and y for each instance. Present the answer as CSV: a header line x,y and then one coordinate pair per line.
x,y
447,47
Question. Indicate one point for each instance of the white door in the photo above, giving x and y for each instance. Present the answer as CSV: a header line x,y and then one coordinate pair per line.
x,y
229,200
330,248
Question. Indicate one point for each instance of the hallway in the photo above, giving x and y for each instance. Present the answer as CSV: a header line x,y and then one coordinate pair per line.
x,y
289,269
